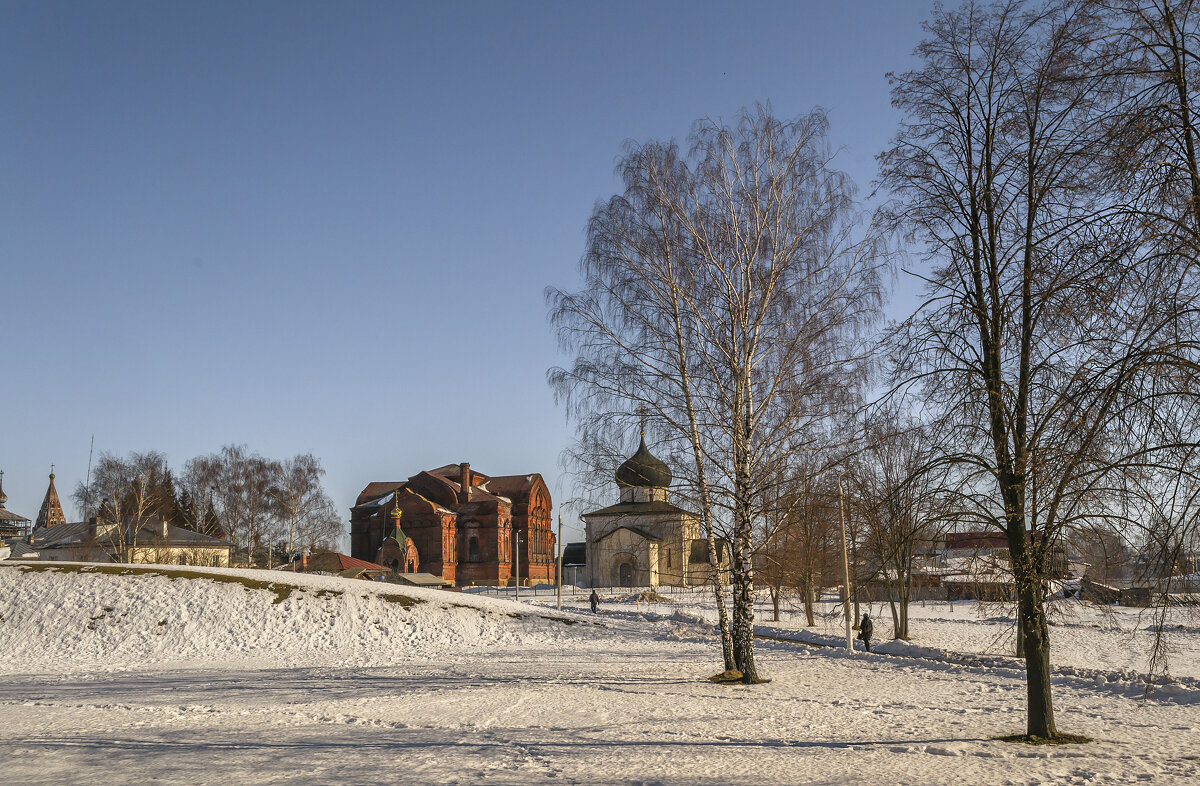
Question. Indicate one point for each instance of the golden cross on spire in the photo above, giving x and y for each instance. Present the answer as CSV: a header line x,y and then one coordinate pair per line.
x,y
396,510
641,410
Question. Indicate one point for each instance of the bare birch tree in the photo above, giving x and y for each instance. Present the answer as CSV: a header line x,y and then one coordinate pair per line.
x,y
724,293
302,506
122,495
238,484
635,334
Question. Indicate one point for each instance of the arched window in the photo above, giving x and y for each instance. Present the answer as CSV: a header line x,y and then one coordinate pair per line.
x,y
473,549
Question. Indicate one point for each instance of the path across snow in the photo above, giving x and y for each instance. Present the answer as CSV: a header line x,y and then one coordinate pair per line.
x,y
542,702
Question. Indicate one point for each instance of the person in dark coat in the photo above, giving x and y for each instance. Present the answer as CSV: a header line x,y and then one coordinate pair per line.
x,y
595,599
865,629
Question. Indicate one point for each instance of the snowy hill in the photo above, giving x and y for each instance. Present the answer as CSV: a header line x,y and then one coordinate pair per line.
x,y
79,617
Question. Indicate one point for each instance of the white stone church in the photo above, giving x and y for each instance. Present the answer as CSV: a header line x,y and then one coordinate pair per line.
x,y
644,540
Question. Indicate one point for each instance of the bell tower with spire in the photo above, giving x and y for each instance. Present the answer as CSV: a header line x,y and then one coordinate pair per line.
x,y
51,512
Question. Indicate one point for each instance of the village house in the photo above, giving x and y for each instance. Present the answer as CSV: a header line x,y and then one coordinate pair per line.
x,y
574,564
134,539
458,524
146,540
972,564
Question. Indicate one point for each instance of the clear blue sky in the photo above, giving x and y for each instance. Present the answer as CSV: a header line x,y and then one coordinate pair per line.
x,y
327,227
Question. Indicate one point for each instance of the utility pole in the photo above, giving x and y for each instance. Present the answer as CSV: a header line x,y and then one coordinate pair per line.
x,y
559,582
87,484
517,559
845,565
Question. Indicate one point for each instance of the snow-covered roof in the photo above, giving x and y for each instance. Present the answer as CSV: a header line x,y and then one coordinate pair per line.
x,y
137,531
973,567
379,503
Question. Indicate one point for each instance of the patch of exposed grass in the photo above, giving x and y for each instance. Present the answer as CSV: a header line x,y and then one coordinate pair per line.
x,y
282,591
1057,739
404,600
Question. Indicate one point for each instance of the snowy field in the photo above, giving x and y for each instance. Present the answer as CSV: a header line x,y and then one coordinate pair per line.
x,y
1083,635
153,679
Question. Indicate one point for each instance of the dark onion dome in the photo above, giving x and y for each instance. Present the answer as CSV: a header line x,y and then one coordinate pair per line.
x,y
642,470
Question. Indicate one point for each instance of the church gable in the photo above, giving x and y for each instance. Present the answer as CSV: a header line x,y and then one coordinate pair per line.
x,y
376,491
414,505
624,532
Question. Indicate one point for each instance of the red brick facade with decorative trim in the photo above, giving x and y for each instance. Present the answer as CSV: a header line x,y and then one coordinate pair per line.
x,y
462,524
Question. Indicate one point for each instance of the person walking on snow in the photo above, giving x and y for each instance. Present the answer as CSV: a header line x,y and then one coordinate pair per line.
x,y
595,599
865,629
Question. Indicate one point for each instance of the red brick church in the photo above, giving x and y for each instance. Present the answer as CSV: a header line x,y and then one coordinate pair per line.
x,y
459,524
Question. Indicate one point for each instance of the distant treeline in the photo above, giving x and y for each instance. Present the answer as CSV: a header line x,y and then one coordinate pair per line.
x,y
255,502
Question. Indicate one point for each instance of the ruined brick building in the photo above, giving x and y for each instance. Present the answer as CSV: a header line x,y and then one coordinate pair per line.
x,y
464,526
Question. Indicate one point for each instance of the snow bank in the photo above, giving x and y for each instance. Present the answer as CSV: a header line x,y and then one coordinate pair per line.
x,y
86,618
1124,682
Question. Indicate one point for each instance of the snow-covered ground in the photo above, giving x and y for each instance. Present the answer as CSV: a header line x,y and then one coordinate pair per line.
x,y
1082,635
138,679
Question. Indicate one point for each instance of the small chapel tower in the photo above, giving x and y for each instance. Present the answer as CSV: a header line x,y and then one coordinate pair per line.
x,y
51,512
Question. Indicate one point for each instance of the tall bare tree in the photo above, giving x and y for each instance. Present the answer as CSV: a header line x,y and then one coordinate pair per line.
x,y
635,334
123,494
1042,334
899,497
724,292
302,504
239,485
